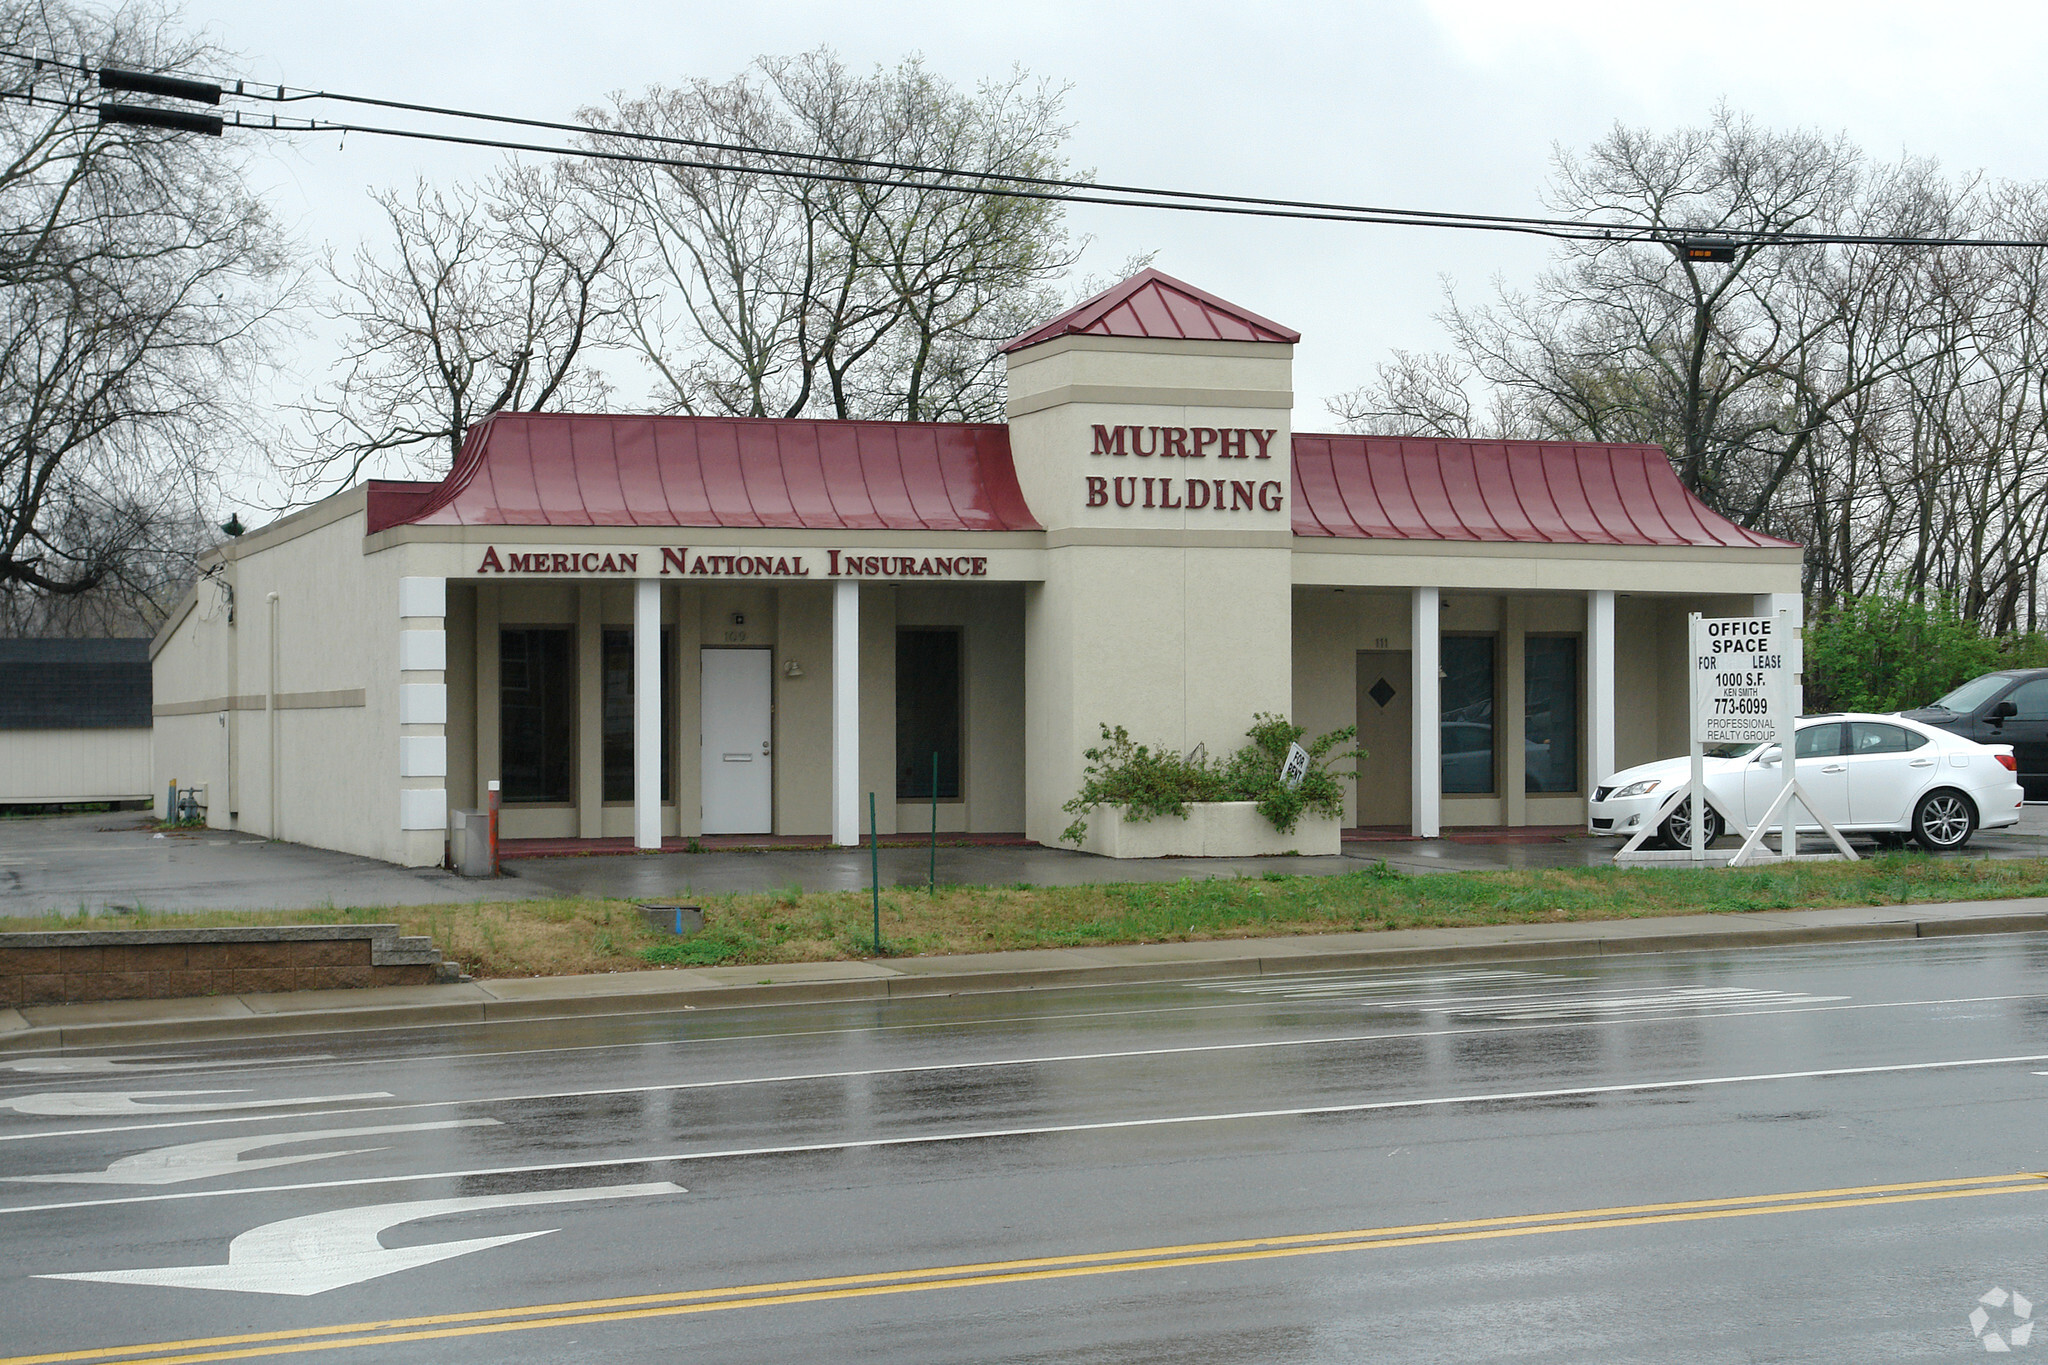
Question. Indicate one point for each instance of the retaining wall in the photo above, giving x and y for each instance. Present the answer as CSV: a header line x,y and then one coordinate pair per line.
x,y
73,965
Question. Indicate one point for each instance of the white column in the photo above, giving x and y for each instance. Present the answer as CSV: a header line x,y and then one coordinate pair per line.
x,y
1600,682
647,713
1425,802
1794,606
1771,603
846,713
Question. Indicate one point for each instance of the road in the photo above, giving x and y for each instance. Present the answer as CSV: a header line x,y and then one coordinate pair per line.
x,y
1822,1154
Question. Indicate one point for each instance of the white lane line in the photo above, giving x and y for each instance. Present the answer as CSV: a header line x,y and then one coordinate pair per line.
x,y
98,1066
322,1251
223,1156
79,1104
1052,1130
1528,994
712,1040
1000,1062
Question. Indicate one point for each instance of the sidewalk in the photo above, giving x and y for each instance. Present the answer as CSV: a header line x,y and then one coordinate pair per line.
x,y
91,864
132,1022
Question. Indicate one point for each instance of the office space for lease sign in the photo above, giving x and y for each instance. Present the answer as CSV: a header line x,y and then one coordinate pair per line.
x,y
1739,679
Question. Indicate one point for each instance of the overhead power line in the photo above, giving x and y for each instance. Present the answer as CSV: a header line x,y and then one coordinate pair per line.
x,y
1694,242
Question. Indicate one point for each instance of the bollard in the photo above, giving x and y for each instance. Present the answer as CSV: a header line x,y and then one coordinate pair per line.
x,y
494,828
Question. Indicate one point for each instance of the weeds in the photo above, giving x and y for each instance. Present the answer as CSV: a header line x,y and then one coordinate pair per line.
x,y
566,936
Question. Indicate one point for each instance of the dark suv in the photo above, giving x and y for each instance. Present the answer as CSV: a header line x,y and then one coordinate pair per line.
x,y
2008,707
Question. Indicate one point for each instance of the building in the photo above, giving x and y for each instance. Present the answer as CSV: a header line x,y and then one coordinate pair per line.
x,y
74,722
673,626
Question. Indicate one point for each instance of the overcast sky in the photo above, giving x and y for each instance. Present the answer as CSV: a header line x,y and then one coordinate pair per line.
x,y
1453,104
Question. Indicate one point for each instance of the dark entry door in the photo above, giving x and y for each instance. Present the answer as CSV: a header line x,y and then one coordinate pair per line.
x,y
1385,733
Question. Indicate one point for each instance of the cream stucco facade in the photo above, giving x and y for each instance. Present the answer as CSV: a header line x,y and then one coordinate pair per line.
x,y
343,683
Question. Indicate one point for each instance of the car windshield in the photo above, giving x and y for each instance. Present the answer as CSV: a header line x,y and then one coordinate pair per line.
x,y
1973,693
1727,750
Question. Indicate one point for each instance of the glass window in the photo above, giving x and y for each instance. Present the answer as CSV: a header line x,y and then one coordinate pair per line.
x,y
1551,694
1869,737
2031,698
536,715
1820,741
618,715
927,713
1973,693
1466,698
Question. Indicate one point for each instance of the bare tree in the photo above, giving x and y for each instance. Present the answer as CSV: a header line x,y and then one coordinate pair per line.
x,y
774,296
482,300
138,280
1885,404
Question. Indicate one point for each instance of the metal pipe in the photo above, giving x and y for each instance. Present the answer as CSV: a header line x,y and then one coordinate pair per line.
x,y
271,706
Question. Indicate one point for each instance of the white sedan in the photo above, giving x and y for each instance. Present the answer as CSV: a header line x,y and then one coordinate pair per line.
x,y
1868,774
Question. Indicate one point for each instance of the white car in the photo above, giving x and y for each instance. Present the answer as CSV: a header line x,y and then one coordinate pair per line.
x,y
1868,774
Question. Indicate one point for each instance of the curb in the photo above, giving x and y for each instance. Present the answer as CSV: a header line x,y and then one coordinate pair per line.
x,y
337,1018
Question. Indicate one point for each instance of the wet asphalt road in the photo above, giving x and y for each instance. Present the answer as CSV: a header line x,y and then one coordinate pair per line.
x,y
1807,1155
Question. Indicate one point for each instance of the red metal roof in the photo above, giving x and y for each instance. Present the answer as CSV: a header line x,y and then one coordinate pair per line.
x,y
551,469
533,469
1153,304
1546,492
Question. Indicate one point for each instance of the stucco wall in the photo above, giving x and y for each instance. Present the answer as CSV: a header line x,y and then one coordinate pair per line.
x,y
332,738
47,766
1165,619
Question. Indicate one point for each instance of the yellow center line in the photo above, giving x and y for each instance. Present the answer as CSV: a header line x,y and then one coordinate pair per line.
x,y
631,1308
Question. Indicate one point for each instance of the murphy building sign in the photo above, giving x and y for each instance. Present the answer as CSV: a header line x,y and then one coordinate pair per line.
x,y
1168,493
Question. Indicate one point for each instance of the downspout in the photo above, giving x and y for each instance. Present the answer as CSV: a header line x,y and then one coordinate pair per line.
x,y
271,705
234,807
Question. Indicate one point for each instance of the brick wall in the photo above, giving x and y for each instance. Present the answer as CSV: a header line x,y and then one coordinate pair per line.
x,y
72,966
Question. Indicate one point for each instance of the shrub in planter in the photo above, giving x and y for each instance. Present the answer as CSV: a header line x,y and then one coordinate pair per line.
x,y
1147,783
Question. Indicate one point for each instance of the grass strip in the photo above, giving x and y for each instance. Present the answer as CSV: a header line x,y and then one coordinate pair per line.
x,y
568,936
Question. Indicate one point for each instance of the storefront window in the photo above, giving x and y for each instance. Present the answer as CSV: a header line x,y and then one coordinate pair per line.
x,y
1466,690
927,713
1551,695
536,715
618,716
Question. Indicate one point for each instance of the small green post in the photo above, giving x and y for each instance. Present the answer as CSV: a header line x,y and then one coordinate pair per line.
x,y
934,886
875,869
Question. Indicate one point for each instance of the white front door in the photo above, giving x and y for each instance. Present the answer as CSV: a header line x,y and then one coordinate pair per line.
x,y
738,784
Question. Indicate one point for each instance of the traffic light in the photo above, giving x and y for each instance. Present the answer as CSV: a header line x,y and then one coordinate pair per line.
x,y
1718,250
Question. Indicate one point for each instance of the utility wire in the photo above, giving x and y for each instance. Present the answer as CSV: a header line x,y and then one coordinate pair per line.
x,y
1002,184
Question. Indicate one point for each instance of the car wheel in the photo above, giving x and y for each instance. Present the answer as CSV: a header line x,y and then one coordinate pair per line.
x,y
1944,821
1676,831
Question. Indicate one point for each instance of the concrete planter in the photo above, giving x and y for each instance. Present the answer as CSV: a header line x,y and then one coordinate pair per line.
x,y
1212,829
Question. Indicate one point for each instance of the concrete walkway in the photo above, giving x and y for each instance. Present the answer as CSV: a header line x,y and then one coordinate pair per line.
x,y
128,1023
74,864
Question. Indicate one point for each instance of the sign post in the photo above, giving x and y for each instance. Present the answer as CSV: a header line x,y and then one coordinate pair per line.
x,y
1743,687
1703,701
1761,676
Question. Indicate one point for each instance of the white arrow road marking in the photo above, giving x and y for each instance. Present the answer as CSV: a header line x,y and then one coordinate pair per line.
x,y
128,1102
204,1160
71,1066
323,1251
